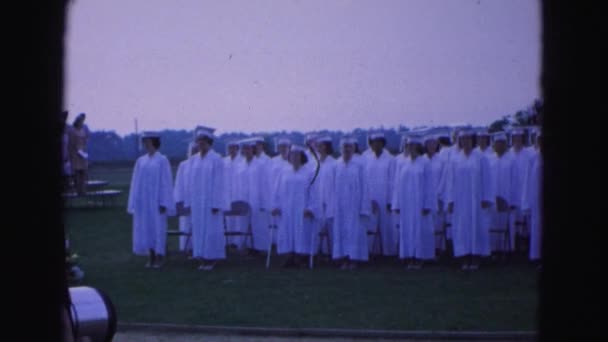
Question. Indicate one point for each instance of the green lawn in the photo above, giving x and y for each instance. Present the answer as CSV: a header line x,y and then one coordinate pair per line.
x,y
241,292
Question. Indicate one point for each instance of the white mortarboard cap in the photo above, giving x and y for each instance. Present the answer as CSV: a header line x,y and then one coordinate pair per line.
x,y
297,148
466,132
258,139
482,131
248,142
232,143
283,141
208,129
498,136
203,133
310,137
377,135
150,134
325,138
347,139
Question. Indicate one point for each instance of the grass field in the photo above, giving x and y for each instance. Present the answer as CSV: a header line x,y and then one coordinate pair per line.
x,y
241,292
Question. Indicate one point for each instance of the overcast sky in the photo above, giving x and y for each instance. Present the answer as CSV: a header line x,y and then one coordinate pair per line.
x,y
254,65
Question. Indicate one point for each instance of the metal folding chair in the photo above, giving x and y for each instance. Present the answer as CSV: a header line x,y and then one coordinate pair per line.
x,y
239,209
503,230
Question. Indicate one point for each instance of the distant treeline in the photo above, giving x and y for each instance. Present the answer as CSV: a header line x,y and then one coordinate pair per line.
x,y
107,147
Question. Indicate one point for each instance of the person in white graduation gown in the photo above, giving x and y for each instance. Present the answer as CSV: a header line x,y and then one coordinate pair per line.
x,y
503,171
281,160
404,154
449,150
232,160
326,180
251,186
413,200
523,159
151,201
483,143
431,145
180,192
207,201
379,178
276,166
531,201
468,196
260,219
350,209
295,207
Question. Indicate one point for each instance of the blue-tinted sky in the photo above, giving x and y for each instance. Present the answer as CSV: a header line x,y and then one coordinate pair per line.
x,y
262,65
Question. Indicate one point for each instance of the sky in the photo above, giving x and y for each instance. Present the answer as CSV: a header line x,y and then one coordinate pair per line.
x,y
299,65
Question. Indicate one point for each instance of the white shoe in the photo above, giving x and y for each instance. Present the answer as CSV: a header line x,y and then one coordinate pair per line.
x,y
465,267
148,265
474,267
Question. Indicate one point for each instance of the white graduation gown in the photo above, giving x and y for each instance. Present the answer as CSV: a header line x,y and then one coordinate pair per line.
x,y
435,172
276,166
180,192
532,201
260,219
379,178
292,196
151,188
489,213
502,171
206,181
469,183
523,160
413,192
350,210
446,155
326,182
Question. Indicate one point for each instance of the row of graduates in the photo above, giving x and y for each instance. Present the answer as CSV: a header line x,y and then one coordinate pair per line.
x,y
408,196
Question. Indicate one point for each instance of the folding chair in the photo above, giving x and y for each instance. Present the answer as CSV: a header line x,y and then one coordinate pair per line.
x,y
521,231
177,232
375,231
239,209
504,230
